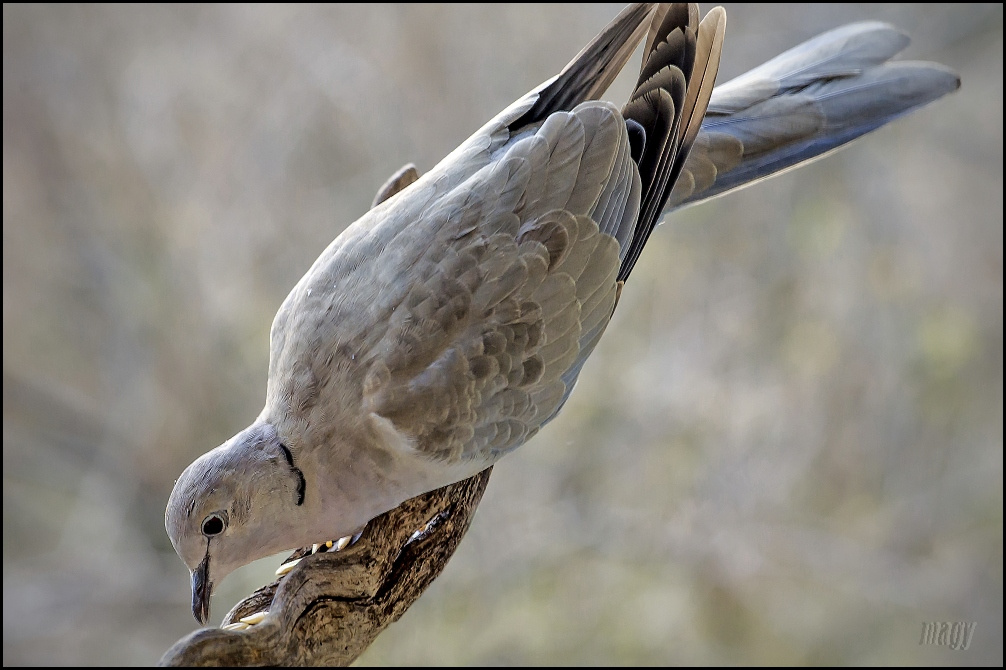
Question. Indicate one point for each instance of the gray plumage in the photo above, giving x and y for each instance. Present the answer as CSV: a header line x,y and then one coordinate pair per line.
x,y
449,323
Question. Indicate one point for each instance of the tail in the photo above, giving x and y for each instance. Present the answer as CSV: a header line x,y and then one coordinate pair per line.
x,y
803,104
692,143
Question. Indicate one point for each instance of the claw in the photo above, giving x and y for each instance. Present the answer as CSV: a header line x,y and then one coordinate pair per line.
x,y
237,625
333,545
253,619
287,567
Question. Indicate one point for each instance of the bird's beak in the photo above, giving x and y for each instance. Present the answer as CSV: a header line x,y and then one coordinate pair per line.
x,y
201,590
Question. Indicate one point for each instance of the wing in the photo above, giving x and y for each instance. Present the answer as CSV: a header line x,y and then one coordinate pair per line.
x,y
516,282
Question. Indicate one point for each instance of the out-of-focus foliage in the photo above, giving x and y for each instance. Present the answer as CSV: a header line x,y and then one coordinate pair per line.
x,y
786,449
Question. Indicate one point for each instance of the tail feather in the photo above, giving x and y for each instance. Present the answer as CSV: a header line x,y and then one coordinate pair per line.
x,y
804,104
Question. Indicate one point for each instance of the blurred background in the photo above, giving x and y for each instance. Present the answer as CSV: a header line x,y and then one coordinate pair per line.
x,y
786,449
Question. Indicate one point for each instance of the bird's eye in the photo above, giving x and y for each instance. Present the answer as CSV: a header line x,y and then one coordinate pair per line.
x,y
214,524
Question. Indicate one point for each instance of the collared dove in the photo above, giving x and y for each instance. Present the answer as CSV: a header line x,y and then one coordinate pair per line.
x,y
449,323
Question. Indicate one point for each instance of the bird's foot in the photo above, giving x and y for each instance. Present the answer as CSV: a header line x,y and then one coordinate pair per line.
x,y
331,545
247,622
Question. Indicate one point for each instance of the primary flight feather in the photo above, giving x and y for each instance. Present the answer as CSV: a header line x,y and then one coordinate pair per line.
x,y
449,323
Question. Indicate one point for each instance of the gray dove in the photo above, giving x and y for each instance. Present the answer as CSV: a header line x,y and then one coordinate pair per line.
x,y
450,322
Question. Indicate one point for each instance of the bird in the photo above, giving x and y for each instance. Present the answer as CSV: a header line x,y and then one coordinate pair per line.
x,y
447,325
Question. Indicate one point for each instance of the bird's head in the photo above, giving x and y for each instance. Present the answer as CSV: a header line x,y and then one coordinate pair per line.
x,y
234,505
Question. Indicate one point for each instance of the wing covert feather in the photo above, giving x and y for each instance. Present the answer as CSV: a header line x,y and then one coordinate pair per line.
x,y
516,272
